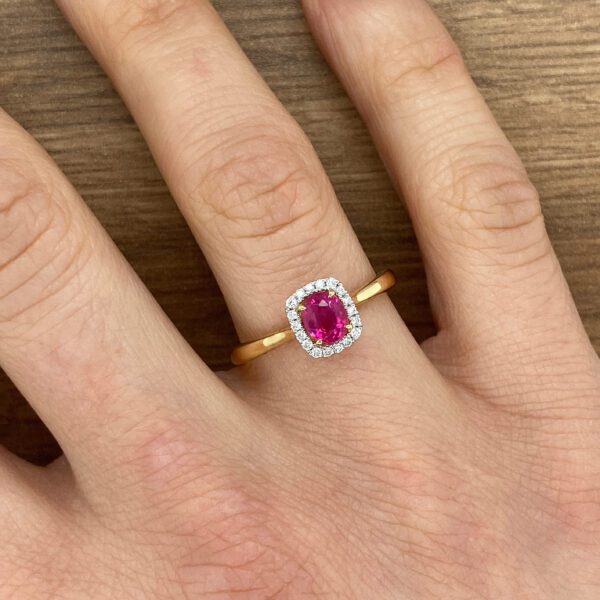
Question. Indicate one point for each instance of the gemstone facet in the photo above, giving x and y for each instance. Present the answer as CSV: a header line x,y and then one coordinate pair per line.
x,y
323,317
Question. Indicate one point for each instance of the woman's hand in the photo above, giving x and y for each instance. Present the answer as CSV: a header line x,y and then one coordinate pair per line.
x,y
465,468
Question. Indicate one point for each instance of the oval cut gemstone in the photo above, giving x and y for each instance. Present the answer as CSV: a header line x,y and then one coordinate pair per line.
x,y
324,318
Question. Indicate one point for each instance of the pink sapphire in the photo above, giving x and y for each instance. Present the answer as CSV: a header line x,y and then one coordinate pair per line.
x,y
324,318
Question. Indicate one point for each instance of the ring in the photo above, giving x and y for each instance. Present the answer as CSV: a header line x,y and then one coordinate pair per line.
x,y
323,317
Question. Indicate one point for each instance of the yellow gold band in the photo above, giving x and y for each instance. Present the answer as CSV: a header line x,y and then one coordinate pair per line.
x,y
244,353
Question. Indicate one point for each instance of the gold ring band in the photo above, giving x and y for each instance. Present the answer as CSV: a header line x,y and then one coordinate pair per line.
x,y
248,351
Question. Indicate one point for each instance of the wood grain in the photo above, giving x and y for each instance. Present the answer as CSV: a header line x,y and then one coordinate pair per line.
x,y
536,61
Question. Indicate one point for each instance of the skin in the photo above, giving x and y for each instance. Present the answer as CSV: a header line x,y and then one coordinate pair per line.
x,y
468,467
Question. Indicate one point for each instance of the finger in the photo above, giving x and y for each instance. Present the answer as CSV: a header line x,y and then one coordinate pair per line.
x,y
494,279
245,176
79,334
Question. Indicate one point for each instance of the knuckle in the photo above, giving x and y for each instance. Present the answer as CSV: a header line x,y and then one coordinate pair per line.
x,y
404,70
36,249
496,197
492,205
165,455
431,492
262,190
206,494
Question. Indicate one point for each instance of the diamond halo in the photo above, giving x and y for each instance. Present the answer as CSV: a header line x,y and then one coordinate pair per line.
x,y
293,308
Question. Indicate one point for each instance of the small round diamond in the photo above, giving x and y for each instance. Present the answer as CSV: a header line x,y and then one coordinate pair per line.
x,y
320,284
301,335
355,333
327,351
307,344
331,283
291,303
347,341
316,352
338,348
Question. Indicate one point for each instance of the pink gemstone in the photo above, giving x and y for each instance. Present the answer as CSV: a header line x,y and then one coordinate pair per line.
x,y
324,318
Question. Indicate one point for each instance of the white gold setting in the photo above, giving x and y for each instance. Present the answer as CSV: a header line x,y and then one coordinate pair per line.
x,y
313,348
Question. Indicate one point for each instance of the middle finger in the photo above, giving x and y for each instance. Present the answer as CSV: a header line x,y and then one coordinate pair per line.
x,y
243,173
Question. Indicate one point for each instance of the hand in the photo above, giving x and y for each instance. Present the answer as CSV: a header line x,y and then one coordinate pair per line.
x,y
465,468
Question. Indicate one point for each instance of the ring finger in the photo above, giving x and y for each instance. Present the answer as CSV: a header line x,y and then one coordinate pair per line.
x,y
241,170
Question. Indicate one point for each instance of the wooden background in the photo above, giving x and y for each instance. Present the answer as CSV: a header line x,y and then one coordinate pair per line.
x,y
536,61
